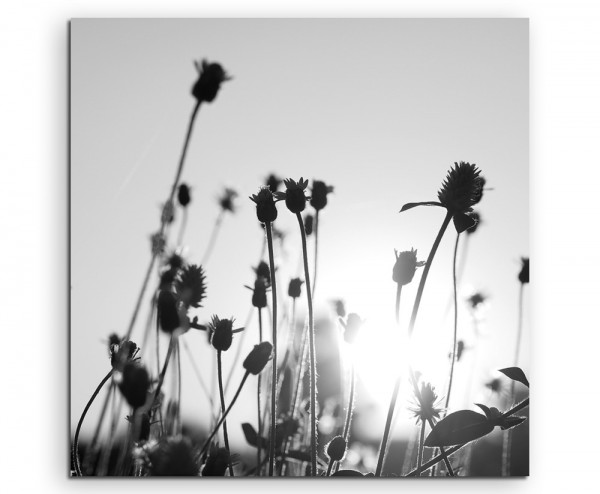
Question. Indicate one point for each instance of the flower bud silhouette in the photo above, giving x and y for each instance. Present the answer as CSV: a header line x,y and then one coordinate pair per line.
x,y
168,316
221,333
216,463
211,76
319,193
172,457
524,273
295,287
259,293
336,449
352,327
158,243
273,182
263,271
295,200
308,224
258,358
183,195
226,201
266,211
405,266
134,384
462,188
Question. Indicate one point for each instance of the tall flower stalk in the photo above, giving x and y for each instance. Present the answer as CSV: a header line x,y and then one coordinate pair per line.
x,y
318,201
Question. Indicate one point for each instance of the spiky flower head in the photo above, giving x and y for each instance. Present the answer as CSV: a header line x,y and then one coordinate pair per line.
x,y
221,333
273,182
258,358
524,273
462,188
211,76
405,266
226,201
173,457
427,405
295,200
266,211
309,221
183,195
263,271
295,287
191,286
216,463
134,384
319,193
336,449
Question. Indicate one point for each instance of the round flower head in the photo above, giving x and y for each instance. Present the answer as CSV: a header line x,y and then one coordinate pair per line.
x,y
427,405
172,457
221,333
167,313
263,271
211,76
336,449
524,273
134,384
266,211
183,195
226,201
273,182
351,327
462,188
308,224
295,288
258,358
405,266
216,463
319,193
190,285
295,200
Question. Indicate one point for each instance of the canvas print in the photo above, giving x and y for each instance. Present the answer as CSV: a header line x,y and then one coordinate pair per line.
x,y
299,248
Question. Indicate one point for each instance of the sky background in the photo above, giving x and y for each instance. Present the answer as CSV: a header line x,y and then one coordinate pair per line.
x,y
380,109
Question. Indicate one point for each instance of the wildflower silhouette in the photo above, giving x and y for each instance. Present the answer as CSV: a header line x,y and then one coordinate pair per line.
x,y
318,201
336,450
211,76
266,213
173,457
226,205
403,273
427,411
309,221
273,182
295,200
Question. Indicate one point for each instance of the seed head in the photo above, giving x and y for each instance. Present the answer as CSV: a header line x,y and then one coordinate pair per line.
x,y
524,273
295,288
226,201
258,358
158,242
308,224
211,76
295,200
462,188
263,271
426,404
221,333
266,211
191,286
134,384
183,195
336,449
405,266
319,193
172,457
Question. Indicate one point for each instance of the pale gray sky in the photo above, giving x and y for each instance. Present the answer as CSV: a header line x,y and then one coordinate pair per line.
x,y
379,108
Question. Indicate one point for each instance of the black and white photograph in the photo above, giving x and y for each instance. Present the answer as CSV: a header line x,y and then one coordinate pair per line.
x,y
299,247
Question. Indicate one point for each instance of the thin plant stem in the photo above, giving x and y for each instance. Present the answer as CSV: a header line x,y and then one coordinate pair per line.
x,y
161,378
272,438
311,349
240,346
179,424
213,238
398,295
454,340
314,283
96,435
115,412
436,243
286,355
507,439
329,467
350,409
421,441
79,424
222,396
388,424
199,376
224,415
408,455
258,390
436,459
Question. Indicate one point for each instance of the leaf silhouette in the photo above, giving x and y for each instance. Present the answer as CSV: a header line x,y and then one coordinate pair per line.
x,y
510,422
296,454
458,428
516,374
347,473
411,205
252,436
